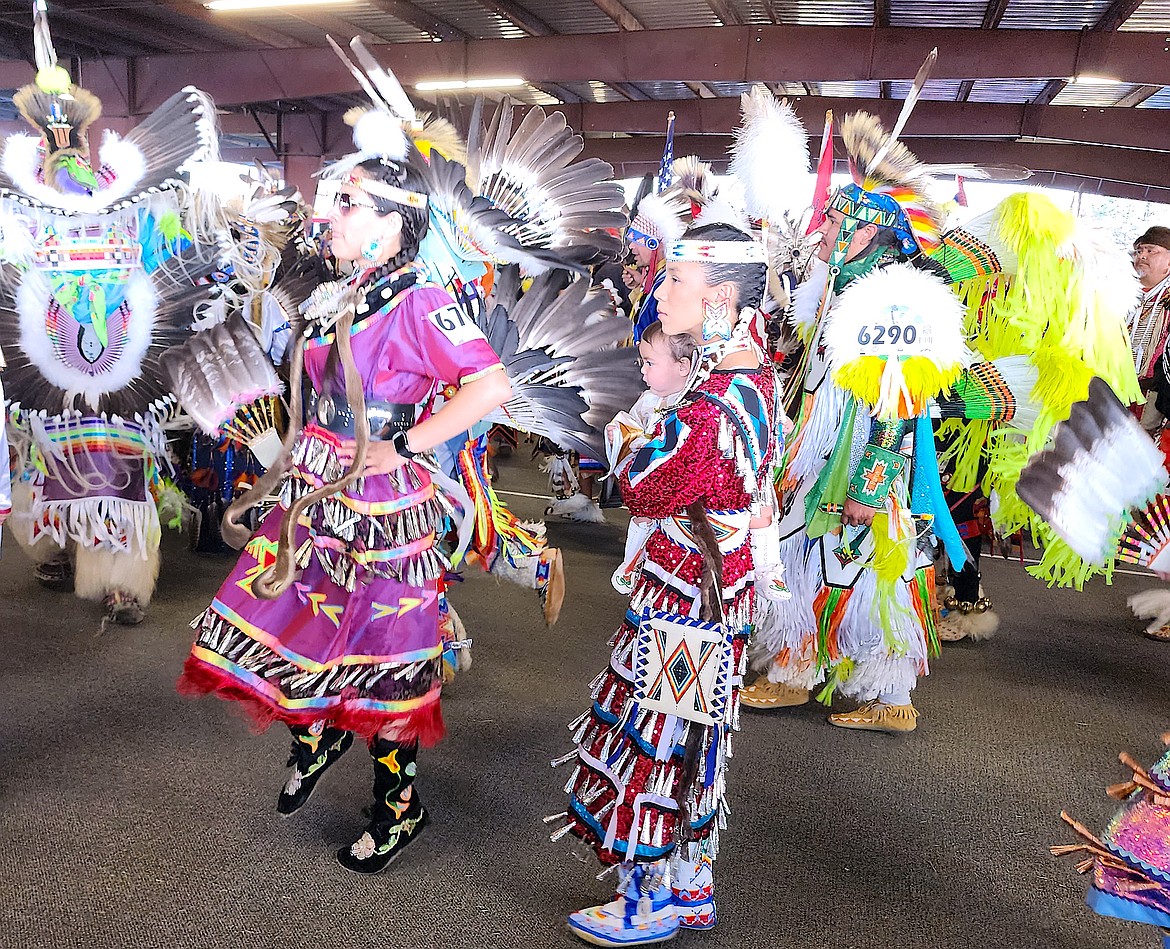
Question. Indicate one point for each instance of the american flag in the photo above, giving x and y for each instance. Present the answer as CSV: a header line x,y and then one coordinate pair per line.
x,y
665,171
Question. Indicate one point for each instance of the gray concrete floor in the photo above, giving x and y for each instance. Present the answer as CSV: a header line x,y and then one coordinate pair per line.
x,y
132,817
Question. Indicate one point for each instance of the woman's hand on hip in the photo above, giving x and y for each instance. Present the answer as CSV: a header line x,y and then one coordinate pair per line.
x,y
381,457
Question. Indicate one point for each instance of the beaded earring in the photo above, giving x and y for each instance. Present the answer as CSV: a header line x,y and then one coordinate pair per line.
x,y
371,249
716,321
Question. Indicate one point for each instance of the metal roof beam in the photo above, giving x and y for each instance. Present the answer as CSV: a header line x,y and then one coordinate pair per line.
x,y
520,18
1051,90
634,156
727,12
620,14
711,54
994,13
1119,11
1121,127
1136,97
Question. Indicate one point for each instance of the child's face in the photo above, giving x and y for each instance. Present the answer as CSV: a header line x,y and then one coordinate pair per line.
x,y
663,374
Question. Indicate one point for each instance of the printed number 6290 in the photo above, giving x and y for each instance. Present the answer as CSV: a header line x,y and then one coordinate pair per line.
x,y
892,335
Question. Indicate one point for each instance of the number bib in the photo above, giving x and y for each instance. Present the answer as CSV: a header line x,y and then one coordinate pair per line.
x,y
899,331
456,325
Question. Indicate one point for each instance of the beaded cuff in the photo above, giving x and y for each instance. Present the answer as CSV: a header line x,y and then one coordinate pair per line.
x,y
875,475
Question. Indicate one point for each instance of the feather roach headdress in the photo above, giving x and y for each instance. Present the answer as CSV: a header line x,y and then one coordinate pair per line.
x,y
60,111
891,183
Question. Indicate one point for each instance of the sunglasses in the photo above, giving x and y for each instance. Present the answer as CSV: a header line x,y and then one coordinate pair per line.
x,y
346,202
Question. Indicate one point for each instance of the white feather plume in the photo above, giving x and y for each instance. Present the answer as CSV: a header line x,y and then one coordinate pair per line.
x,y
1152,605
769,155
379,133
903,295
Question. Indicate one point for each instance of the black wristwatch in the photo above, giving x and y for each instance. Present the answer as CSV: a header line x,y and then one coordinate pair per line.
x,y
398,440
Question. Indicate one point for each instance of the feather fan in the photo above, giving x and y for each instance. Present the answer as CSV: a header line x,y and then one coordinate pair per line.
x,y
559,343
1099,466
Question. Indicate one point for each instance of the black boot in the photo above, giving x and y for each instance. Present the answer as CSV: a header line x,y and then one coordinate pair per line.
x,y
314,749
396,817
56,572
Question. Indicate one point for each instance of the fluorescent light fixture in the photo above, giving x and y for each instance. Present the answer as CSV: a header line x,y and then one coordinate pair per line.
x,y
507,82
261,4
1098,81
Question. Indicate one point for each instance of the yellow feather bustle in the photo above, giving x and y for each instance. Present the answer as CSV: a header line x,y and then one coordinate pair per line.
x,y
1063,310
896,388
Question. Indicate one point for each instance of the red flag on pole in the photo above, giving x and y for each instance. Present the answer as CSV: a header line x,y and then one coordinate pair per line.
x,y
960,191
824,176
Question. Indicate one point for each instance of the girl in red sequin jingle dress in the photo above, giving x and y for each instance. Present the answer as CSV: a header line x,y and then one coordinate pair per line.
x,y
330,620
648,791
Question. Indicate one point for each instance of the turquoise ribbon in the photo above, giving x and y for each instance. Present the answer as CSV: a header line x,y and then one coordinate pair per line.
x,y
926,494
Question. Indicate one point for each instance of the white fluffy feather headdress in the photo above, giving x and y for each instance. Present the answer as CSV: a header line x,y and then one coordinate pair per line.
x,y
769,154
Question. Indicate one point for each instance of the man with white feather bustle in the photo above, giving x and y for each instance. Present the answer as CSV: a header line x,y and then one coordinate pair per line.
x,y
861,488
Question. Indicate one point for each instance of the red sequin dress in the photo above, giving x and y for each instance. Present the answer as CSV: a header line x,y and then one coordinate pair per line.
x,y
638,770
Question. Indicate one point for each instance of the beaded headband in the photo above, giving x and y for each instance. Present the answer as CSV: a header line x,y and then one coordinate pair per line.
x,y
718,252
642,235
388,192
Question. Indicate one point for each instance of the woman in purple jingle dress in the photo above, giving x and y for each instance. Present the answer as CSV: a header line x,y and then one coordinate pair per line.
x,y
348,639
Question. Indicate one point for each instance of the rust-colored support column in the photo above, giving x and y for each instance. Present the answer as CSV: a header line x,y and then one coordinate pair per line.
x,y
299,171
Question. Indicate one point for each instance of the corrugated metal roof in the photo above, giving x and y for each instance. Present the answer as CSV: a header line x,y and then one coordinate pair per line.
x,y
1152,16
288,25
1006,90
945,90
571,16
1053,14
666,14
383,25
1093,93
866,89
472,18
666,90
824,12
1159,100
931,13
177,22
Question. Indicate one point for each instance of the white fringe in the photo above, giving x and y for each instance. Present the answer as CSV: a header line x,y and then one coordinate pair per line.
x,y
874,677
788,623
113,524
879,668
100,572
818,435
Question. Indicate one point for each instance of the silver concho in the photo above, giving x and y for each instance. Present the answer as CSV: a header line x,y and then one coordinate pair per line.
x,y
326,410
